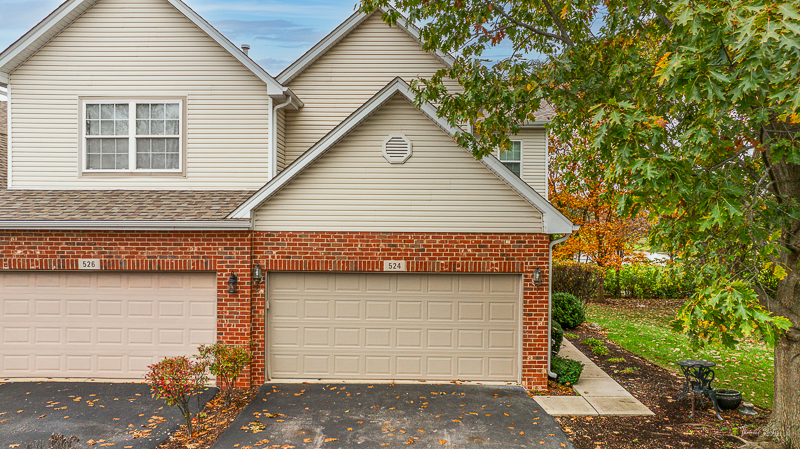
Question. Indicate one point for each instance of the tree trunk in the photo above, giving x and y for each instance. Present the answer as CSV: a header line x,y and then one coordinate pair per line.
x,y
784,424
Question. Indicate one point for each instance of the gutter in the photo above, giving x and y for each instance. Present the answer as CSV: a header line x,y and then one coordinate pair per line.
x,y
273,137
140,225
551,374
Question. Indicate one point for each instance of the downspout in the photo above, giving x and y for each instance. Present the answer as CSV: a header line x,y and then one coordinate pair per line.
x,y
273,137
551,374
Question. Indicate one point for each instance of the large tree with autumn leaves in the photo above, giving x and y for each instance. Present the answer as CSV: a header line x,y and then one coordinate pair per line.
x,y
693,105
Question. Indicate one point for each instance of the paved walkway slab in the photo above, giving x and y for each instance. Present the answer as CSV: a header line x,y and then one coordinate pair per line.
x,y
566,405
599,393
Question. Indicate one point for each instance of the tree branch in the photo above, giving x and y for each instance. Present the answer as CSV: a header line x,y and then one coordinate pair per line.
x,y
557,20
528,27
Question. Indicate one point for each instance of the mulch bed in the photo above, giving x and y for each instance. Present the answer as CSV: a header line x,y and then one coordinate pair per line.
x,y
658,389
214,419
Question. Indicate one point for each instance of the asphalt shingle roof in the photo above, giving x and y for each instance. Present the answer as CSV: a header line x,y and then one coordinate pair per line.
x,y
114,205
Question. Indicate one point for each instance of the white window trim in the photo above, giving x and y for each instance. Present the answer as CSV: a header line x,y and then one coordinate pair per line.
x,y
517,161
83,170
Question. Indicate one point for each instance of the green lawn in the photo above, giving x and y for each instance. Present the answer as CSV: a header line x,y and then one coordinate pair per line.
x,y
645,331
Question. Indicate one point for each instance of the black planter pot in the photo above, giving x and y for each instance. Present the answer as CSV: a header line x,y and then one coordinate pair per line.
x,y
728,399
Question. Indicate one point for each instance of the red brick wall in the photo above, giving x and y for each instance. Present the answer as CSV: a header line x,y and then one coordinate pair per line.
x,y
445,253
241,315
222,252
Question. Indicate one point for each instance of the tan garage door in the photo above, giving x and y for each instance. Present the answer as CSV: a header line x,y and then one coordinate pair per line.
x,y
394,326
101,325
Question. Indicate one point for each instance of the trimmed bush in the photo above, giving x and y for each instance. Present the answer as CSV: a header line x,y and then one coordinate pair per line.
x,y
556,337
568,371
647,281
226,362
578,279
568,310
175,380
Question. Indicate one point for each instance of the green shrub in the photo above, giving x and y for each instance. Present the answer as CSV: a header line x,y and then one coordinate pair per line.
x,y
175,380
570,335
648,281
600,350
568,310
578,279
592,342
568,371
226,362
556,337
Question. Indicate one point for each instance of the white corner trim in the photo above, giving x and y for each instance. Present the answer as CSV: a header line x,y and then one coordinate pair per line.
x,y
52,22
553,221
339,33
138,225
9,170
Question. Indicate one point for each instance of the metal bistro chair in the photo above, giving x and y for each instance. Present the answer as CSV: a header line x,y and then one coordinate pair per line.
x,y
699,375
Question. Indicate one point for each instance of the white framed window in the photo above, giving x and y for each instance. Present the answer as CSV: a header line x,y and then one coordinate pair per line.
x,y
132,136
512,157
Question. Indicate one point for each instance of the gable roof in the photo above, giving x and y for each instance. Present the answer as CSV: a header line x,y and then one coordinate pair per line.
x,y
339,33
554,221
19,52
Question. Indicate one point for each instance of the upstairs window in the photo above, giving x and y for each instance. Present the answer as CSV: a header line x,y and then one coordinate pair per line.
x,y
512,157
133,136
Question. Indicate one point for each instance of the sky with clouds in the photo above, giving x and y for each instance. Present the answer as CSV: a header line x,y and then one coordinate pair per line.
x,y
278,31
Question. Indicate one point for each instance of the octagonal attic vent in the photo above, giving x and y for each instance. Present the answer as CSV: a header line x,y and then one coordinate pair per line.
x,y
396,149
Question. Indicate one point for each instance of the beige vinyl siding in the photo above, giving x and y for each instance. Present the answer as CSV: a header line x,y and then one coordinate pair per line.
x,y
441,188
280,131
348,75
534,158
129,50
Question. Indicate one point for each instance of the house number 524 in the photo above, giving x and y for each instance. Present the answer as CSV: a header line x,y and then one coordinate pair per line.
x,y
394,265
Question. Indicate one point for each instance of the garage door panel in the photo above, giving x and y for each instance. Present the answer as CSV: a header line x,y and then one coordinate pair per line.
x,y
395,326
101,324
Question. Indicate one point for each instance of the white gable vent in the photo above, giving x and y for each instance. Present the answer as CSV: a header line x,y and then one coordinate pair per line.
x,y
397,149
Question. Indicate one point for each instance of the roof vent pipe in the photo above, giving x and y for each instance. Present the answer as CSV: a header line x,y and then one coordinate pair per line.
x,y
245,48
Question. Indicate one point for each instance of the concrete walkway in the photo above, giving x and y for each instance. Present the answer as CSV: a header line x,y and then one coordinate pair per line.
x,y
599,393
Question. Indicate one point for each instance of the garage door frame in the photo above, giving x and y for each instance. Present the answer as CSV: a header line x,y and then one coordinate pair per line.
x,y
95,323
268,320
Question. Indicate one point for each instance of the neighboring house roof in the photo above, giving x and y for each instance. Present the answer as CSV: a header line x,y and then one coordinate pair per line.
x,y
340,33
125,209
554,221
18,52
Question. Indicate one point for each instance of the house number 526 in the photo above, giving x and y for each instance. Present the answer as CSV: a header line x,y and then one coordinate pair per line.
x,y
89,264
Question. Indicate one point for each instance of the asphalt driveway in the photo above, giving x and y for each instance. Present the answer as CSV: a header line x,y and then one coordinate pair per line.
x,y
341,415
118,415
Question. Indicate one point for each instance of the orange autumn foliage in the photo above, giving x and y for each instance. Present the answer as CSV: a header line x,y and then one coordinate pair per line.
x,y
605,237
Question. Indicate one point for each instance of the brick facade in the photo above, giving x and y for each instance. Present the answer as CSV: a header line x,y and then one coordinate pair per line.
x,y
424,252
241,316
222,252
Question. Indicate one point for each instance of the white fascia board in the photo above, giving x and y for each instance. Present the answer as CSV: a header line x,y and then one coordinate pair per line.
x,y
35,33
319,148
273,86
536,124
55,23
173,225
339,33
553,220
